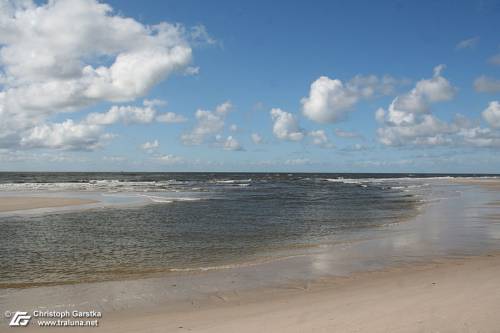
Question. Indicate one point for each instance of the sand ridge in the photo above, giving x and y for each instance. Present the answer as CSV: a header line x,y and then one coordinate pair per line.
x,y
8,204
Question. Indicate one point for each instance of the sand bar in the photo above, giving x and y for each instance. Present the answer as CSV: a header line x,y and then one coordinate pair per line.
x,y
491,183
8,204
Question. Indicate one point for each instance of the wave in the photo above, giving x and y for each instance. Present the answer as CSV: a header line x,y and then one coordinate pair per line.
x,y
343,180
162,199
233,181
112,185
252,263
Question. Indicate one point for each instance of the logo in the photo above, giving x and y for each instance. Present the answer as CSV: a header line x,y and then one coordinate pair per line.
x,y
20,318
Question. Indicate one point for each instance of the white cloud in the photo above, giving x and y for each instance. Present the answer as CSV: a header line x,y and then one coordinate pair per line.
x,y
492,114
154,102
11,156
437,89
427,130
346,134
124,114
233,128
200,35
208,124
409,121
495,60
406,109
170,118
169,159
191,70
150,146
286,126
231,144
330,100
134,115
224,108
256,138
319,138
66,135
480,137
487,84
65,55
380,115
467,43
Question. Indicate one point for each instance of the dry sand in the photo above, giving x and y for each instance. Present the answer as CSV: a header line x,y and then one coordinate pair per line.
x,y
457,296
8,204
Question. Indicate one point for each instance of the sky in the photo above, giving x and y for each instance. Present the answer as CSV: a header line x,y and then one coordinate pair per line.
x,y
255,86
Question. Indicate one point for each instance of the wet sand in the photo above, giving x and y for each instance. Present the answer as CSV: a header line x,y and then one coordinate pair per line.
x,y
19,203
454,296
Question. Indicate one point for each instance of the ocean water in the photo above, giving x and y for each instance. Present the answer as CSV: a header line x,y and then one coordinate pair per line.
x,y
192,221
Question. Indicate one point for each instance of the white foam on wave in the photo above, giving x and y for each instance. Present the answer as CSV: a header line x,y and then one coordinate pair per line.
x,y
343,180
252,263
233,181
111,185
163,199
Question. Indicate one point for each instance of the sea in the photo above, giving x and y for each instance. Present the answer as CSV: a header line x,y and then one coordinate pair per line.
x,y
156,224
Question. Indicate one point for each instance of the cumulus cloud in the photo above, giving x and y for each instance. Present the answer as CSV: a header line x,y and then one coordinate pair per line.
x,y
407,108
208,125
468,43
66,135
286,126
170,118
427,130
256,138
231,144
65,55
480,137
330,100
319,138
127,114
150,146
124,114
492,114
409,120
487,84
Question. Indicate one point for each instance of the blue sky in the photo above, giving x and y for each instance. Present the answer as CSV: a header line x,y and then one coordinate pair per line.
x,y
257,56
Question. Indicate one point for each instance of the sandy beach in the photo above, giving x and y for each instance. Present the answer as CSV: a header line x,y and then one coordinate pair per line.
x,y
8,204
459,296
454,296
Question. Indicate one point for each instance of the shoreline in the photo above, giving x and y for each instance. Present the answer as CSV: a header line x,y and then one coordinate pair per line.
x,y
450,296
447,295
